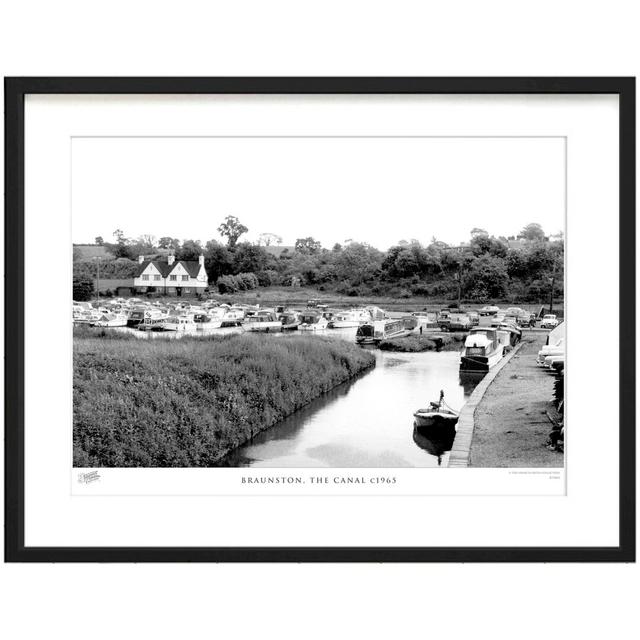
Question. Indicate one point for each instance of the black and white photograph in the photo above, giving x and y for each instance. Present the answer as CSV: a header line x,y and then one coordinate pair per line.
x,y
318,301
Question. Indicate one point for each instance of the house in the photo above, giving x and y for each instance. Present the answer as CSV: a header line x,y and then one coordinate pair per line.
x,y
173,277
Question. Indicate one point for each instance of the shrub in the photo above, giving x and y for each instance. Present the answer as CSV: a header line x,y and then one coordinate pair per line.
x,y
185,403
82,289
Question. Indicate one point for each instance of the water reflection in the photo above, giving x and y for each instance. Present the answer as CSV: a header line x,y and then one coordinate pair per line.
x,y
469,381
436,440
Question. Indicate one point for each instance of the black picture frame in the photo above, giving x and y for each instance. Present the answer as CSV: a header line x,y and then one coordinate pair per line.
x,y
15,91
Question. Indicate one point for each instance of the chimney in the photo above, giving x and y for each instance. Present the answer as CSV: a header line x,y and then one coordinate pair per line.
x,y
201,260
171,259
140,259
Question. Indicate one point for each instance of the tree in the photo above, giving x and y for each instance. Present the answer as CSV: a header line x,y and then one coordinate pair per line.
x,y
249,257
477,231
481,243
147,241
307,245
267,239
486,278
533,232
190,250
99,240
232,229
82,289
166,242
218,261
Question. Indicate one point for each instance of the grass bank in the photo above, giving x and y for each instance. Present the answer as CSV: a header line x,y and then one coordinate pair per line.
x,y
426,342
185,403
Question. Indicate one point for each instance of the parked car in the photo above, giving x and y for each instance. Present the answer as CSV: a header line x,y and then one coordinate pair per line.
x,y
498,319
455,322
474,317
489,310
550,321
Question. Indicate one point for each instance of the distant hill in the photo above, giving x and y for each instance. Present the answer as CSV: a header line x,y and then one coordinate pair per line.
x,y
88,251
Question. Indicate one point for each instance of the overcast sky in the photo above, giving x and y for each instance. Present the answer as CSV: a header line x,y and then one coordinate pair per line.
x,y
375,190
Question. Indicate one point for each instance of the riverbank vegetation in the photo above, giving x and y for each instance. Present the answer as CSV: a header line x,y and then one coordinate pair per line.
x,y
426,342
525,268
185,403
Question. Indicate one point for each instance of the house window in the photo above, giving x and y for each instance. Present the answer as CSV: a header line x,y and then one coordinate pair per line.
x,y
145,276
185,278
173,277
156,277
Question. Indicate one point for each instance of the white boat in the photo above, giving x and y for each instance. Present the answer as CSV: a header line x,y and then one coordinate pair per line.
x,y
312,321
436,415
263,321
206,320
290,320
111,320
346,319
375,332
482,350
177,323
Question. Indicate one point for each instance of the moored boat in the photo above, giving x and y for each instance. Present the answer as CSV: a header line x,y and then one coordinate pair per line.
x,y
482,350
347,319
111,320
263,321
312,321
375,332
436,414
290,320
177,323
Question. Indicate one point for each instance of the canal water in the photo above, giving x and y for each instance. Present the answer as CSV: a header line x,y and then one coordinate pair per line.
x,y
367,422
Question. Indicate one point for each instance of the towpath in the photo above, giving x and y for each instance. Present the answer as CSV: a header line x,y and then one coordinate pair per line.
x,y
511,426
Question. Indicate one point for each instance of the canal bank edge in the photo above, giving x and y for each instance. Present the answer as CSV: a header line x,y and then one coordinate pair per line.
x,y
459,456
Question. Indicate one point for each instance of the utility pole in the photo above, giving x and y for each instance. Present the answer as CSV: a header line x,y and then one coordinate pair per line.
x,y
553,278
97,258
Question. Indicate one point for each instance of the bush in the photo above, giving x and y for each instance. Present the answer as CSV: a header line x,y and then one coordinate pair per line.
x,y
82,289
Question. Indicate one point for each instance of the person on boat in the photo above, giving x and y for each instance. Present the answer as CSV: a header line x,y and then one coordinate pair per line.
x,y
420,329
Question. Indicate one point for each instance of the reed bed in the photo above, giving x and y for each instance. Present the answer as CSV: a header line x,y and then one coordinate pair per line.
x,y
187,402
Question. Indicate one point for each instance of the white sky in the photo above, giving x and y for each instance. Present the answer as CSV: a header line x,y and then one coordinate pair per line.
x,y
375,190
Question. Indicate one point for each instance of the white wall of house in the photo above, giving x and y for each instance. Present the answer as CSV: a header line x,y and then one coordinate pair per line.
x,y
178,277
153,278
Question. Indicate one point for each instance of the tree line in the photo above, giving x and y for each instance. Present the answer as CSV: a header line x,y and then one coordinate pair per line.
x,y
483,269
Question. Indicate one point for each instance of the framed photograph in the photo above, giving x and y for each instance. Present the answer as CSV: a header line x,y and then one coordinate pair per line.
x,y
320,319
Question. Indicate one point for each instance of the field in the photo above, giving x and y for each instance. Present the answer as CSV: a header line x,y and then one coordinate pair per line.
x,y
185,403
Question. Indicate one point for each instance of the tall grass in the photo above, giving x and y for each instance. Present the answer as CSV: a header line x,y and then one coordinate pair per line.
x,y
185,403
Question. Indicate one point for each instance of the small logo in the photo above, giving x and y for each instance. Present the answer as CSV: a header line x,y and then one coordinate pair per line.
x,y
88,477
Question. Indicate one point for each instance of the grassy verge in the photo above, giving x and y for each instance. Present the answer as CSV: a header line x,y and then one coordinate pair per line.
x,y
179,403
415,343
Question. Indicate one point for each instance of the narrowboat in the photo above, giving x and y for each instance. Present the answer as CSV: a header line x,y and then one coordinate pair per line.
x,y
375,332
482,350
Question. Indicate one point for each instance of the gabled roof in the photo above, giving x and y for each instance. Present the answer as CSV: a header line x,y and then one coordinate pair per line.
x,y
192,267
